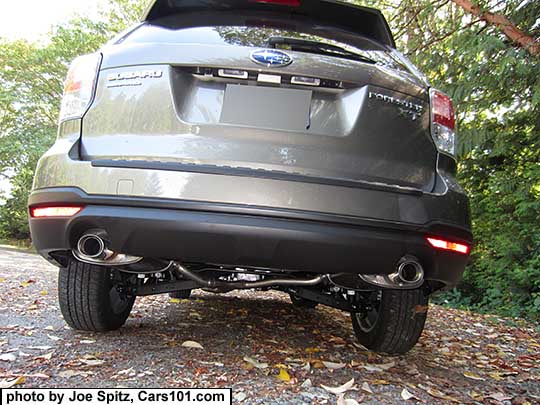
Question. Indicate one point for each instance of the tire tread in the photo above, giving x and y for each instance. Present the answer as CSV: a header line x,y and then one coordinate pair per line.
x,y
83,295
400,323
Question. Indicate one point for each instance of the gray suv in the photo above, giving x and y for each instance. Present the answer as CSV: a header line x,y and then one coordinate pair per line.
x,y
266,144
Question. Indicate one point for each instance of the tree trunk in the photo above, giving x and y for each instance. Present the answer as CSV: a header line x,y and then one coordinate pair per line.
x,y
504,24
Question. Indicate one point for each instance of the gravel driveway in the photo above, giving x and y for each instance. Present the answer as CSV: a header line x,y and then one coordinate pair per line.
x,y
268,351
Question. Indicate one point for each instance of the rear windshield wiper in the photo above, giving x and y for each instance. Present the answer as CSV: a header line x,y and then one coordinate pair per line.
x,y
304,45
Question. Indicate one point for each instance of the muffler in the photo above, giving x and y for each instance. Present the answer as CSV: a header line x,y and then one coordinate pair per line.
x,y
409,274
93,248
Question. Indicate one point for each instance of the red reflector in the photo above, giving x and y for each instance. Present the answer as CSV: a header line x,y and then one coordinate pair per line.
x,y
290,3
446,245
47,212
443,110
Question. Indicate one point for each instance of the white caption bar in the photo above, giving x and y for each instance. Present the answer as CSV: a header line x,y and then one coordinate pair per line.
x,y
117,396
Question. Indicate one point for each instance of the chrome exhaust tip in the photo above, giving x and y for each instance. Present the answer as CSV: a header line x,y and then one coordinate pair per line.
x,y
409,275
410,271
93,248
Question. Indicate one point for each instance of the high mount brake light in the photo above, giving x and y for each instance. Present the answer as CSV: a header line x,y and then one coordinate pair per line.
x,y
290,3
79,86
443,122
51,212
447,245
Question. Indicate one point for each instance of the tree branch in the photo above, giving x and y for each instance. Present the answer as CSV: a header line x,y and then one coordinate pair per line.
x,y
504,24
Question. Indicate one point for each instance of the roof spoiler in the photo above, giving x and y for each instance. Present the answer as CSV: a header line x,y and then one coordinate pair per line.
x,y
364,21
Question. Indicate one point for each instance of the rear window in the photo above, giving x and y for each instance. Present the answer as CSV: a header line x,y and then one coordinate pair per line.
x,y
260,37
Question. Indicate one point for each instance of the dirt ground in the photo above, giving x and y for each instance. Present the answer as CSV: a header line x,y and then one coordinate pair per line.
x,y
268,351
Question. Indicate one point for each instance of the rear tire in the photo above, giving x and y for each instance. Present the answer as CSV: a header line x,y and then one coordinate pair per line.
x,y
182,295
395,323
302,302
90,300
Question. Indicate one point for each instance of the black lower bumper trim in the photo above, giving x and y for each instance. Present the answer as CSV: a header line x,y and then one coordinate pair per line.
x,y
250,240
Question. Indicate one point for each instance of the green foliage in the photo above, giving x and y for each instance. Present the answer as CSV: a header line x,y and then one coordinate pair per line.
x,y
31,86
496,87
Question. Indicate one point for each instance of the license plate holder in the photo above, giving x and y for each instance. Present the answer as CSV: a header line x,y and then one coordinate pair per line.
x,y
266,107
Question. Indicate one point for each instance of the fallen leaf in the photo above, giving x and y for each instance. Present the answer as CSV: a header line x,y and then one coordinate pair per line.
x,y
348,386
312,350
499,396
192,344
40,347
43,292
361,347
54,338
386,366
367,388
317,364
337,340
306,384
38,375
12,382
47,356
476,396
92,362
437,394
8,357
126,371
333,366
406,395
284,375
255,363
240,396
473,376
73,373
175,301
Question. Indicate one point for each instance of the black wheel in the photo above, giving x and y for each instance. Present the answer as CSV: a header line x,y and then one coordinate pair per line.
x,y
393,322
302,302
183,295
92,298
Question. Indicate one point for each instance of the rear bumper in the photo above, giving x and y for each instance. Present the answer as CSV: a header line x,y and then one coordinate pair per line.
x,y
246,235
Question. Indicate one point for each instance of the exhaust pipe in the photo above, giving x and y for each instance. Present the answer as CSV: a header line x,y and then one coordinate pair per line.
x,y
226,286
409,274
93,248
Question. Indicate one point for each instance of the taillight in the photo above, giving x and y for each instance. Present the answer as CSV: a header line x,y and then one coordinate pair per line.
x,y
443,122
55,211
447,245
79,86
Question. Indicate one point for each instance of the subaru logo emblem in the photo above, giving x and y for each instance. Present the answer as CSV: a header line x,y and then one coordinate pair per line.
x,y
271,58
